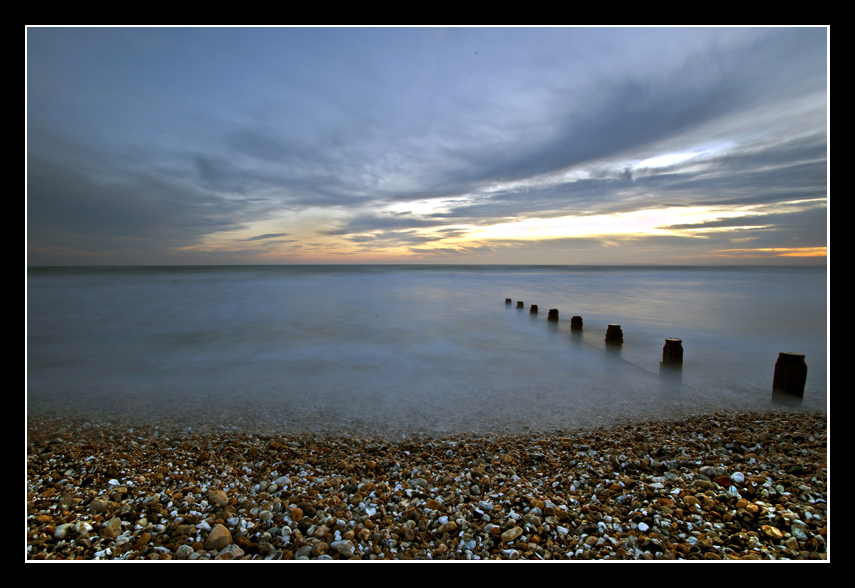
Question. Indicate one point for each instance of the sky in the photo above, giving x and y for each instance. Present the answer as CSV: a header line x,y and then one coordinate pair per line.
x,y
192,146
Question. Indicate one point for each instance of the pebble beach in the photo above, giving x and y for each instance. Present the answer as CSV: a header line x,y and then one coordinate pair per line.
x,y
719,486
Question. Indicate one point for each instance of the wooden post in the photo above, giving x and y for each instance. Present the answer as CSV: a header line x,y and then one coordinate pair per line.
x,y
553,314
534,309
672,353
614,335
788,385
671,366
520,304
576,323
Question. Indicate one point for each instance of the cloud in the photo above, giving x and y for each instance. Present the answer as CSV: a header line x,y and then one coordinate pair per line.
x,y
406,137
61,199
68,209
633,110
266,236
368,223
797,228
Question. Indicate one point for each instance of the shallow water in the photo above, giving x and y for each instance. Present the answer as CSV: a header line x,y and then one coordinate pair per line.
x,y
418,349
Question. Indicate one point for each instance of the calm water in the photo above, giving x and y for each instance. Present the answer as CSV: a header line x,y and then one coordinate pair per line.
x,y
413,349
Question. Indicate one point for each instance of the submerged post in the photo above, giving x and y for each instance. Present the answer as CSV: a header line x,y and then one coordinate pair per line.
x,y
788,385
576,323
614,335
534,309
553,314
520,304
508,300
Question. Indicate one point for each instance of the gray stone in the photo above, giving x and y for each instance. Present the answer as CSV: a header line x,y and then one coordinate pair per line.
x,y
113,527
799,532
345,548
183,552
230,551
62,530
98,505
305,551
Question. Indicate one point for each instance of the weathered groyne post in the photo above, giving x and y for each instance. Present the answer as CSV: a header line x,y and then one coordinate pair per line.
x,y
671,365
672,353
788,385
614,336
553,314
508,300
576,323
520,304
534,309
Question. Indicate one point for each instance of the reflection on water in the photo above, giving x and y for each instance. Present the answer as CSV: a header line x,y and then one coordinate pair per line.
x,y
420,348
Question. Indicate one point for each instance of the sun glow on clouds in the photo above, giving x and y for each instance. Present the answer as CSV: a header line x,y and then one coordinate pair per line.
x,y
665,160
675,158
425,207
637,223
280,234
775,252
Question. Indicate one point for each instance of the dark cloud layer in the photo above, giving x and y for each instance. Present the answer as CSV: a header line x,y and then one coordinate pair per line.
x,y
156,139
266,237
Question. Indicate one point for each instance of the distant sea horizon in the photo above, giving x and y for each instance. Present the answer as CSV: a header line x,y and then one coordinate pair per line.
x,y
620,264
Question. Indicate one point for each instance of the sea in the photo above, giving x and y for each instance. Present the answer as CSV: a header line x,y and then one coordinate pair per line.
x,y
414,350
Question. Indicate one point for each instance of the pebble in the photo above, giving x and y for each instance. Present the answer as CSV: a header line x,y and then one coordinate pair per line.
x,y
230,551
218,498
183,552
113,528
720,486
512,534
346,548
218,538
448,527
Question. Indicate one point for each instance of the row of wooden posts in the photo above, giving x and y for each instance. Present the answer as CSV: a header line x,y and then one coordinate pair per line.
x,y
788,384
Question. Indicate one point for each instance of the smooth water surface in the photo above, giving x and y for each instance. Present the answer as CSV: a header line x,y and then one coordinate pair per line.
x,y
413,349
